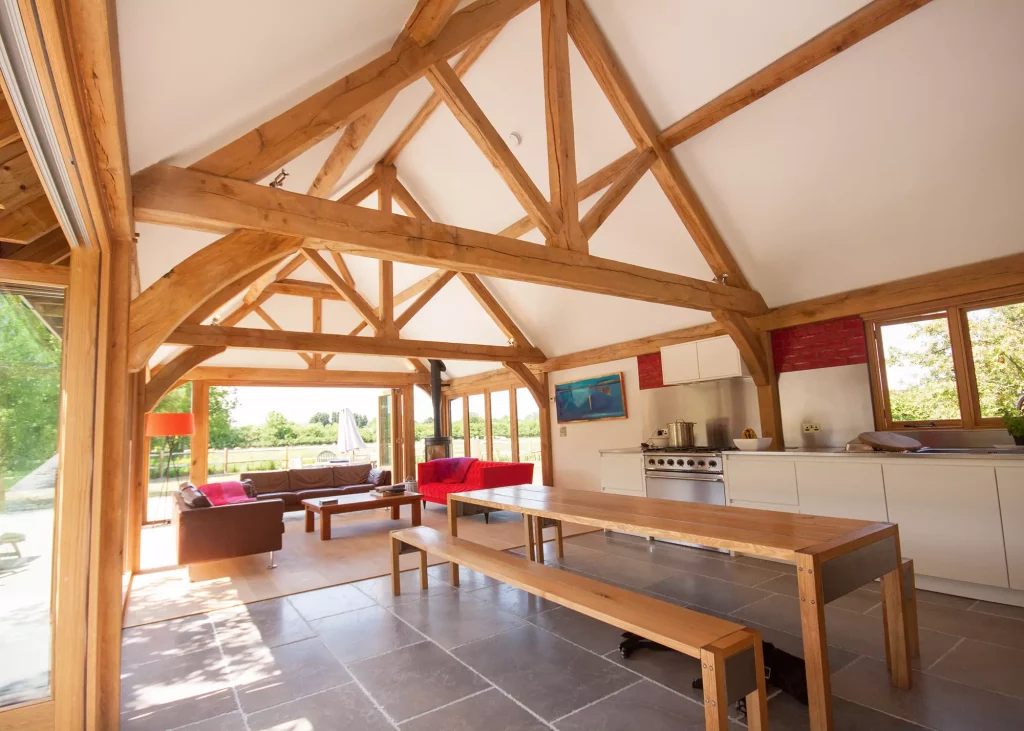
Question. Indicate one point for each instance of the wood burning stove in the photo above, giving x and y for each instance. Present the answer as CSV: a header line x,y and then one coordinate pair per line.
x,y
437,446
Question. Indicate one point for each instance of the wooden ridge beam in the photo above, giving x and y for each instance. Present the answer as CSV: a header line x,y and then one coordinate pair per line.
x,y
420,302
259,152
230,376
181,197
421,27
237,337
344,289
617,192
639,123
493,145
460,67
558,120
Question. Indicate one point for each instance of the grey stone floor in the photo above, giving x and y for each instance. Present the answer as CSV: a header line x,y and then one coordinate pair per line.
x,y
487,656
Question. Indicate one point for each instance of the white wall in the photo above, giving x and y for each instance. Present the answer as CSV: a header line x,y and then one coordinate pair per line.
x,y
577,462
837,398
720,409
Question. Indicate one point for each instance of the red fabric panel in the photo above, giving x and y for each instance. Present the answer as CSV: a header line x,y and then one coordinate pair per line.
x,y
820,345
650,370
481,476
225,493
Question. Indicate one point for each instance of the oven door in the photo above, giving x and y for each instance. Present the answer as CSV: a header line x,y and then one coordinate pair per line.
x,y
688,488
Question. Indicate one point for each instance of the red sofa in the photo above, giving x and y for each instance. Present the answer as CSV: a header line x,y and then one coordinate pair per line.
x,y
442,476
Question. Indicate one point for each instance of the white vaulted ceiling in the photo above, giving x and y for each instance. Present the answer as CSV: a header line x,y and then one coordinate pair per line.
x,y
901,155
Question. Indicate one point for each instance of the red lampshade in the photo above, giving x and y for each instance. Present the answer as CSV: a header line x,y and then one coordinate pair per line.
x,y
170,425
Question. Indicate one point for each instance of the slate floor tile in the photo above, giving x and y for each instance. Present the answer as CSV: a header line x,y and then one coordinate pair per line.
x,y
858,600
270,676
585,631
543,672
269,623
703,591
490,708
964,623
339,708
454,619
227,722
364,633
982,665
416,679
332,600
642,706
166,639
379,589
512,600
1002,610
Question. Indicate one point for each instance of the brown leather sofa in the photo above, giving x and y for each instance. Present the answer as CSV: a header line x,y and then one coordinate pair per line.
x,y
228,531
294,486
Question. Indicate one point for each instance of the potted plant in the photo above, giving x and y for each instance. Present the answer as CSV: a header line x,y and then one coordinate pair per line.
x,y
1014,423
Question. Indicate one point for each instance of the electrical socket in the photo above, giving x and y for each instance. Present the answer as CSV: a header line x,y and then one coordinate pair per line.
x,y
812,428
562,431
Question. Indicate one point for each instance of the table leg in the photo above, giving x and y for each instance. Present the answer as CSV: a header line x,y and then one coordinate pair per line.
x,y
757,702
559,548
453,530
910,607
309,520
395,512
897,637
812,623
538,534
417,513
396,570
528,535
325,526
716,709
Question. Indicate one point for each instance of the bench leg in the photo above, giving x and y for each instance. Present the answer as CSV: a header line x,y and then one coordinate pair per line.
x,y
812,625
559,548
396,570
897,636
716,710
757,702
423,570
538,534
453,530
910,607
528,535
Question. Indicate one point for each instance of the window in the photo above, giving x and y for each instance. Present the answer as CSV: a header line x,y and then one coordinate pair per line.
x,y
31,329
958,367
501,437
458,435
529,432
478,438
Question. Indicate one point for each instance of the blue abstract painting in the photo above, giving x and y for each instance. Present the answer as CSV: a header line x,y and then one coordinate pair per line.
x,y
591,399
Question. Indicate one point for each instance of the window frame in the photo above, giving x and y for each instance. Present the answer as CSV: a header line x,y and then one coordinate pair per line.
x,y
955,312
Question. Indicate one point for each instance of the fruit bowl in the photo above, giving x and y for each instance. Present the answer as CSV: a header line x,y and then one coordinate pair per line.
x,y
753,445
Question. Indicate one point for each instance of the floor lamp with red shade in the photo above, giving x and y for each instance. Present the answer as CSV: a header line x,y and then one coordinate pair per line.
x,y
169,425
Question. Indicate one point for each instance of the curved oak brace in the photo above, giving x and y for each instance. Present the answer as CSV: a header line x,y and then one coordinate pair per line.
x,y
164,379
169,301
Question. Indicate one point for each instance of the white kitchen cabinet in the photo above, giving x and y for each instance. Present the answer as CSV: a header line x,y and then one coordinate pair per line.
x,y
679,363
949,520
622,473
1011,501
764,480
702,360
718,358
841,489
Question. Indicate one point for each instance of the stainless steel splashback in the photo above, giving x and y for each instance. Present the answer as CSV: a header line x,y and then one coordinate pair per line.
x,y
721,409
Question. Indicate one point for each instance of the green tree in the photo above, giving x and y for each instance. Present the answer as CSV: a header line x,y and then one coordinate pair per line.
x,y
30,357
361,420
223,402
278,429
320,417
997,344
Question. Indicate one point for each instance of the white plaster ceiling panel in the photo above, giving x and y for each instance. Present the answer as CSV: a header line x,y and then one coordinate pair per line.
x,y
900,156
385,364
460,368
291,313
454,316
680,55
234,64
560,321
340,318
161,248
250,358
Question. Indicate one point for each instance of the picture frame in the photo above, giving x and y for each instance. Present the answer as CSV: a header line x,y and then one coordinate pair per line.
x,y
599,398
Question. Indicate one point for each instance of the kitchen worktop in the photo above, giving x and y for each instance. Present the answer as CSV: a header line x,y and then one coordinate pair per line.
x,y
623,450
999,454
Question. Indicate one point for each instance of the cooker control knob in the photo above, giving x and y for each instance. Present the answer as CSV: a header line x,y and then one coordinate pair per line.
x,y
700,463
712,463
650,461
671,462
689,463
661,461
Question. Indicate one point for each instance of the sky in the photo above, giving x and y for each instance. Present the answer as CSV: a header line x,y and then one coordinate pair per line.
x,y
299,404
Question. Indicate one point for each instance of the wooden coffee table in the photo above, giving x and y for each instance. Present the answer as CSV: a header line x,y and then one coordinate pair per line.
x,y
355,503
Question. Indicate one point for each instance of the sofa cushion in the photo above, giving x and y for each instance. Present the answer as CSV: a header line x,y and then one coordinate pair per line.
x,y
289,498
194,497
311,478
250,488
268,482
355,474
379,478
437,492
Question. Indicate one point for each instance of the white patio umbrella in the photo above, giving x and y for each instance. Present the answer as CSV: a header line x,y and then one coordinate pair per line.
x,y
348,433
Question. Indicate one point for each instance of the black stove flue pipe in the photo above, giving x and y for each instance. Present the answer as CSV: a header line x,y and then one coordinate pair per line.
x,y
436,369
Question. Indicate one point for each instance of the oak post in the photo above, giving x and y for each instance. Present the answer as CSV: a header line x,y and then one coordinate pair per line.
x,y
200,451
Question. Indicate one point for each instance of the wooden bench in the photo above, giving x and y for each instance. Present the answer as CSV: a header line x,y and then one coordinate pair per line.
x,y
732,664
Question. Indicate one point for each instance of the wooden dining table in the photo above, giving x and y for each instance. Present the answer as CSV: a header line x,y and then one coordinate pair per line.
x,y
833,556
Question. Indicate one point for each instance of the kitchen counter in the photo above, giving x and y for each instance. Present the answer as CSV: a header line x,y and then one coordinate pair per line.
x,y
997,454
623,450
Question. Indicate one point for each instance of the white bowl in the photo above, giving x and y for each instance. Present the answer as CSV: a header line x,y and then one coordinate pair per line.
x,y
753,445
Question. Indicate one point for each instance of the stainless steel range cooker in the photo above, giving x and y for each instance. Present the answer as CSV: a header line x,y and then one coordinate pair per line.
x,y
687,475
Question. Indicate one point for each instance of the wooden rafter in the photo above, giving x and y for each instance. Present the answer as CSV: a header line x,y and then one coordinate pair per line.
x,y
422,26
236,337
494,310
626,102
28,221
164,380
558,117
617,192
265,316
460,67
421,301
417,288
50,248
230,376
492,144
259,152
407,202
318,326
348,292
181,197
30,272
273,274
